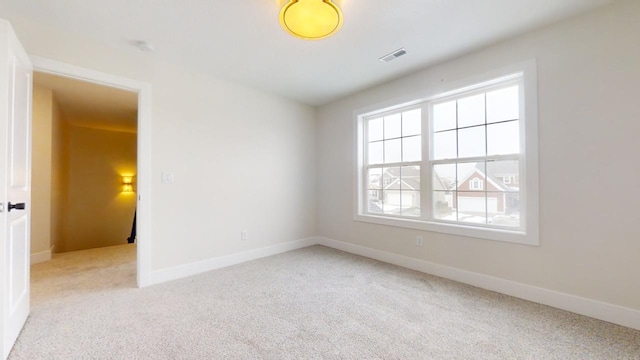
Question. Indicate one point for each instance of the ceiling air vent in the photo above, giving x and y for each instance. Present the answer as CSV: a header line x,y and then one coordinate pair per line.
x,y
393,55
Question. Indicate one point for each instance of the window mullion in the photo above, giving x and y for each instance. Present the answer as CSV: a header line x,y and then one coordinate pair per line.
x,y
426,195
455,189
486,172
477,159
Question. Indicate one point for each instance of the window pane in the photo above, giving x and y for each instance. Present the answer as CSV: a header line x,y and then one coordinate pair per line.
x,y
375,205
391,178
471,111
391,202
444,145
471,142
374,192
503,138
503,105
504,208
443,208
410,203
392,126
505,173
412,148
444,116
374,180
411,122
392,151
444,177
410,178
471,176
472,207
374,200
375,129
375,153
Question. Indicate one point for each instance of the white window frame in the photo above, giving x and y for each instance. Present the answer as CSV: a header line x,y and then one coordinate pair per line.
x,y
528,233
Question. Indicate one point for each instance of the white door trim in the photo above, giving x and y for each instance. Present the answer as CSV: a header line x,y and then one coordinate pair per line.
x,y
144,147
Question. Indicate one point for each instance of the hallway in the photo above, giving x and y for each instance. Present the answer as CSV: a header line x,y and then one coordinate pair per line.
x,y
78,273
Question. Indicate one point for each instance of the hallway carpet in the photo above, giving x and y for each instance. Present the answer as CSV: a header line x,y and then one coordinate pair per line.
x,y
312,303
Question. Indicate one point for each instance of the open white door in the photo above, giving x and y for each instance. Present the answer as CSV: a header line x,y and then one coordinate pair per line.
x,y
15,184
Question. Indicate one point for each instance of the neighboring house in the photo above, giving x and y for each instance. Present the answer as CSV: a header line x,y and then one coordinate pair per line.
x,y
443,191
395,190
500,189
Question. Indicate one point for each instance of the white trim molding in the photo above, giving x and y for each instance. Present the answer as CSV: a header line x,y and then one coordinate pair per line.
x,y
41,256
596,309
182,271
144,91
592,308
524,76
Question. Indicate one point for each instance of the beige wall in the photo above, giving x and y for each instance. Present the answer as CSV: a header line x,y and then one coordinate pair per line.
x,y
49,176
588,76
41,173
59,176
98,213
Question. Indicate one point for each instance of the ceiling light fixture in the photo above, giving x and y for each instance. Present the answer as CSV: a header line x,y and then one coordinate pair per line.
x,y
311,19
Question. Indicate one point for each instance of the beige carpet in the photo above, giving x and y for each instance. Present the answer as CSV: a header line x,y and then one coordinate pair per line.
x,y
313,303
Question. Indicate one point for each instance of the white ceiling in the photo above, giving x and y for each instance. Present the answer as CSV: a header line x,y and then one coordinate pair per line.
x,y
241,40
90,105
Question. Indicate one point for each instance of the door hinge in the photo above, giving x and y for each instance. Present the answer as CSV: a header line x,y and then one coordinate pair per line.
x,y
1,207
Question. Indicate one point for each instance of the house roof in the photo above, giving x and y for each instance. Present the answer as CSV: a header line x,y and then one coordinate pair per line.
x,y
410,179
478,170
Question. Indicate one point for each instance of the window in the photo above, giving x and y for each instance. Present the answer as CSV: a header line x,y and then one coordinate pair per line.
x,y
393,159
476,136
456,162
476,184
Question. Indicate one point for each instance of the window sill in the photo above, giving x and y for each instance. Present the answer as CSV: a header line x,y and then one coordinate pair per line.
x,y
504,235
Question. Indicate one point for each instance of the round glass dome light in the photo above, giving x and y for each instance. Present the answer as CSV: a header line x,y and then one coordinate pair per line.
x,y
311,19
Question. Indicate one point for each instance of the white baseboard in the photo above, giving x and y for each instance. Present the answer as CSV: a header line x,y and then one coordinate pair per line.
x,y
576,304
182,271
596,309
41,256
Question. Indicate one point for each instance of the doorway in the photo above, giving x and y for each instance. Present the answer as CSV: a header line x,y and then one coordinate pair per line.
x,y
84,165
140,180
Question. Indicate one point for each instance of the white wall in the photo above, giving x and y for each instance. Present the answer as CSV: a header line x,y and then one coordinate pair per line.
x,y
242,159
589,122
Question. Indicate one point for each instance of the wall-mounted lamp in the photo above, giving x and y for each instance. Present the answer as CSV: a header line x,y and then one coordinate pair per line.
x,y
127,184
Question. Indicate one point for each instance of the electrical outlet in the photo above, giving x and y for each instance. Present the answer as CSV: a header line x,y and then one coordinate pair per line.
x,y
419,241
244,235
166,178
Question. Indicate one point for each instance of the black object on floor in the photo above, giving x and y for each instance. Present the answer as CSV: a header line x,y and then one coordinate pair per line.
x,y
131,239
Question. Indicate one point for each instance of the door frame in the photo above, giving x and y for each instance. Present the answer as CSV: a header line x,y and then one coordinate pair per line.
x,y
143,223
